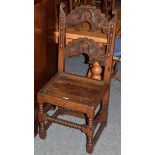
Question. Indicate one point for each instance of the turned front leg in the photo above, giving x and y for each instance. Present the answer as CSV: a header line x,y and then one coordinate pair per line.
x,y
42,129
89,145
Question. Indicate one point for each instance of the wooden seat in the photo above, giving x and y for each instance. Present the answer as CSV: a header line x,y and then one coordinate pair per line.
x,y
75,95
81,91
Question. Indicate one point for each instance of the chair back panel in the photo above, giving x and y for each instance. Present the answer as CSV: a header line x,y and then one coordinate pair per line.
x,y
87,46
90,14
95,52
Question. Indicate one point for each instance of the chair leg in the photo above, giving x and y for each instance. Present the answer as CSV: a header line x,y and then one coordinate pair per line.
x,y
42,128
105,104
89,134
104,116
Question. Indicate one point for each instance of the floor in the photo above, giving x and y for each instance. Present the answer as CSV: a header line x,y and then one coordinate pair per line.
x,y
66,141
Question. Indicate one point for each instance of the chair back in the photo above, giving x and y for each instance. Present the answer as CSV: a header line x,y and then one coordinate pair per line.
x,y
98,22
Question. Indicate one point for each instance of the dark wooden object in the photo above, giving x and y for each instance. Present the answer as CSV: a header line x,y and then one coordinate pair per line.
x,y
75,3
108,6
104,5
44,52
75,95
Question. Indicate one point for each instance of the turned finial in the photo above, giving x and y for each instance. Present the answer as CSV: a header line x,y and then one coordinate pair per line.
x,y
96,71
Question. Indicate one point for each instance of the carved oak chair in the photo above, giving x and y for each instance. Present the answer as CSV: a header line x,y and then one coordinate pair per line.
x,y
75,95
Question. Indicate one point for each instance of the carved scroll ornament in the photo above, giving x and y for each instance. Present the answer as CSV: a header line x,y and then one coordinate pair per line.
x,y
87,46
90,14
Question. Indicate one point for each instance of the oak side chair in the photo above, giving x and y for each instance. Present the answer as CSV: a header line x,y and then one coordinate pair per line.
x,y
75,95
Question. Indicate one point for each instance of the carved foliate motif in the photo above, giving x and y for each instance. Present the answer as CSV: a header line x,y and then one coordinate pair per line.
x,y
93,16
87,46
